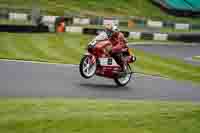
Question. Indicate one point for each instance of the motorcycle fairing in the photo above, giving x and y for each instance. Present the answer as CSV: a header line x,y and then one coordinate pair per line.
x,y
109,61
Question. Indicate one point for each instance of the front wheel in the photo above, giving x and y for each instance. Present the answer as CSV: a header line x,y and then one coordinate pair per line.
x,y
122,81
86,68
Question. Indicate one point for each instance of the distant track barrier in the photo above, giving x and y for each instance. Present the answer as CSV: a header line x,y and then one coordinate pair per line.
x,y
130,21
24,29
184,37
49,23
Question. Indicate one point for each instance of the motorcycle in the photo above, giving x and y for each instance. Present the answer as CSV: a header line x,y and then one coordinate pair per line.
x,y
97,61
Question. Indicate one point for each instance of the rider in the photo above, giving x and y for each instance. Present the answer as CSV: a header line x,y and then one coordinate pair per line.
x,y
119,43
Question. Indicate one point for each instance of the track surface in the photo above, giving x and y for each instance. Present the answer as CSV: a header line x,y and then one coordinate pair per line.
x,y
26,79
184,52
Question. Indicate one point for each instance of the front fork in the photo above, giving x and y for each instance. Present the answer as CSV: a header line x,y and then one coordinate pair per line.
x,y
92,58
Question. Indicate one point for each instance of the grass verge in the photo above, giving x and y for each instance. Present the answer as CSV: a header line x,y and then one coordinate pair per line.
x,y
69,48
97,116
167,67
58,48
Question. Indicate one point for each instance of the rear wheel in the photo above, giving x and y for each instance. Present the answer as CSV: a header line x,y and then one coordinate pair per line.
x,y
87,70
124,80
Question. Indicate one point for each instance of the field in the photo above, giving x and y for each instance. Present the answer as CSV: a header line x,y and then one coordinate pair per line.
x,y
97,116
141,8
68,48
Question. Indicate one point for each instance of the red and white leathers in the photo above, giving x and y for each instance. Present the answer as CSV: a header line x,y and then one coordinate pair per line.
x,y
119,43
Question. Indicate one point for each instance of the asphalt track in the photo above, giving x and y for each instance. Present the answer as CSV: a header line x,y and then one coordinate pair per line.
x,y
179,51
26,79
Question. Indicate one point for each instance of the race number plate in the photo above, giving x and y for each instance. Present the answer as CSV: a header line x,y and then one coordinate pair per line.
x,y
107,61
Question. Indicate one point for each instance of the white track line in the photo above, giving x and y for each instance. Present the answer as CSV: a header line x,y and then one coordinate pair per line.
x,y
37,62
75,65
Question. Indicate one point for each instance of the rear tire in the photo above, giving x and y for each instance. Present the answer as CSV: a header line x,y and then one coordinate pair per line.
x,y
86,70
122,81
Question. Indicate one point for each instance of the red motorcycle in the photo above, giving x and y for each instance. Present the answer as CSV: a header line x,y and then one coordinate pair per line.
x,y
97,61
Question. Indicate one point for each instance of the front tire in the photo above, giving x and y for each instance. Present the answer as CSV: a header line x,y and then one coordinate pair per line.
x,y
86,69
122,81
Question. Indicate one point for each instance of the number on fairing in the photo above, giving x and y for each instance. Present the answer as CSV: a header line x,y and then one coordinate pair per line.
x,y
107,61
110,61
92,43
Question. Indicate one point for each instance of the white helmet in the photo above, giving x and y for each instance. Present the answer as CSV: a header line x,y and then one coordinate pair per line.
x,y
111,29
115,28
111,26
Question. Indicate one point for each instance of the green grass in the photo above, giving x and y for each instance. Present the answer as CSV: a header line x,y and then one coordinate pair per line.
x,y
69,48
141,8
97,116
58,48
167,67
